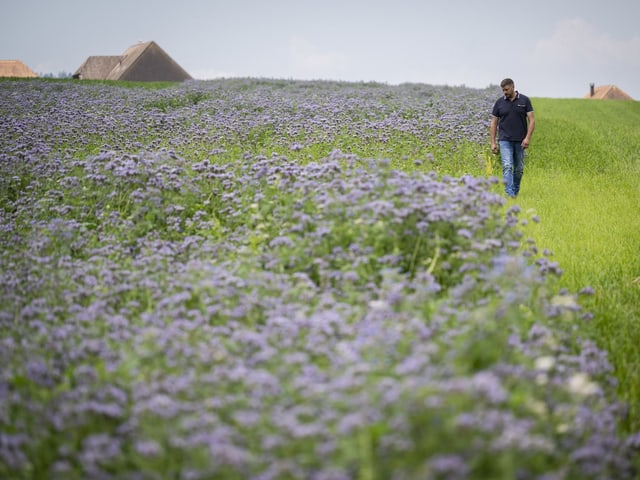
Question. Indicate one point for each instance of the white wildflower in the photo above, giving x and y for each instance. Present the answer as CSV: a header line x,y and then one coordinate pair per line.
x,y
378,305
581,384
544,363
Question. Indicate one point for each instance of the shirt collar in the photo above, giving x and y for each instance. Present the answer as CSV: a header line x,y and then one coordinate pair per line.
x,y
515,98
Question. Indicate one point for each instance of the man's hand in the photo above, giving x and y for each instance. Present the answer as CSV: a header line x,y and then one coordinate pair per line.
x,y
525,143
494,148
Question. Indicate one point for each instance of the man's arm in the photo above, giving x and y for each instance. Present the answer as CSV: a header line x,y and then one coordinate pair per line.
x,y
493,129
530,128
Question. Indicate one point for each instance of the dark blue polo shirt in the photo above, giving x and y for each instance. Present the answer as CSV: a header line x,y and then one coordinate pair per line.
x,y
512,115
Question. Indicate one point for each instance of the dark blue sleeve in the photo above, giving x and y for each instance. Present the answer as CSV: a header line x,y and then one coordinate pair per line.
x,y
529,105
495,112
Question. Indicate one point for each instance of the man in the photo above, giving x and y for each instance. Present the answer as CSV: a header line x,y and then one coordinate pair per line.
x,y
512,117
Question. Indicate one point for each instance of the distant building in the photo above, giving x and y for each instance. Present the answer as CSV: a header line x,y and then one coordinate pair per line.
x,y
608,92
143,62
97,67
15,68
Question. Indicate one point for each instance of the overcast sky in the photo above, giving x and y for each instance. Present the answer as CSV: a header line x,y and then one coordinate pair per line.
x,y
551,48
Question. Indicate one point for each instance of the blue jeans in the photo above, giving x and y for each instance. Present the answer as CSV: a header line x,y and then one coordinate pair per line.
x,y
512,155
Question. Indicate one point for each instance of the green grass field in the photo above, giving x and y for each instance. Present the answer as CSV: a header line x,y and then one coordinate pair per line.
x,y
582,177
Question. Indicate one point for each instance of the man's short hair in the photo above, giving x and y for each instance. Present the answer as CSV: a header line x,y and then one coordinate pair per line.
x,y
505,82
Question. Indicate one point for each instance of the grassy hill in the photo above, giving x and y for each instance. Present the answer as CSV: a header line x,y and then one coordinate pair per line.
x,y
583,179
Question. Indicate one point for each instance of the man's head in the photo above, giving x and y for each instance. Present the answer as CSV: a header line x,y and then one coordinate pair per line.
x,y
508,87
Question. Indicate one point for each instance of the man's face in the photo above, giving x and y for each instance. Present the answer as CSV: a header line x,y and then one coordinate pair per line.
x,y
509,90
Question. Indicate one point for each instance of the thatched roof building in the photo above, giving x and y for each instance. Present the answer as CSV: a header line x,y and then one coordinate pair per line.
x,y
97,67
143,62
15,68
608,92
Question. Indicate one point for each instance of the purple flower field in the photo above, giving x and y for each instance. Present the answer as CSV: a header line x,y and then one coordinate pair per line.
x,y
261,279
